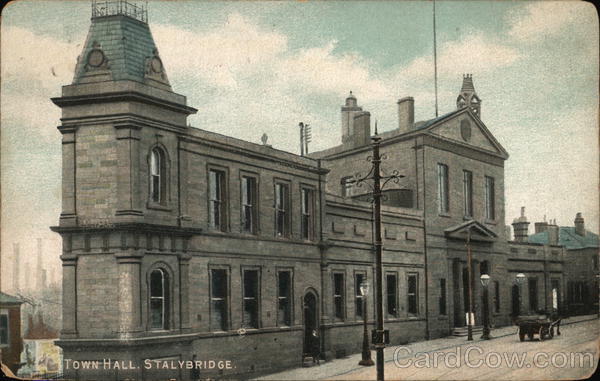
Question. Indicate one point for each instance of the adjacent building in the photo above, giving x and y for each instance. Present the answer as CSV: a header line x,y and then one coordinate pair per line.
x,y
11,340
185,244
569,262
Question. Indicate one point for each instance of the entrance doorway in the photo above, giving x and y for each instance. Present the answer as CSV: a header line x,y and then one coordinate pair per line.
x,y
516,305
312,339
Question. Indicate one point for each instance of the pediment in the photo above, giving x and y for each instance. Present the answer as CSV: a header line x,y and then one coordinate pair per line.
x,y
471,230
466,128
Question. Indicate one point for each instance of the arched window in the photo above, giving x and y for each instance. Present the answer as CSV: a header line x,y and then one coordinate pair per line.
x,y
158,176
159,299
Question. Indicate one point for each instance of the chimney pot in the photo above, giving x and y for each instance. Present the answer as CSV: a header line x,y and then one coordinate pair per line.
x,y
579,224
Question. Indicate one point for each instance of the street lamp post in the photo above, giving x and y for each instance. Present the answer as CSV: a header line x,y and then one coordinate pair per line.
x,y
375,175
470,288
485,281
366,351
520,280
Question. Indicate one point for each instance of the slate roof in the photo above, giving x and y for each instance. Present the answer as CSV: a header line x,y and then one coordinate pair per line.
x,y
568,238
126,42
433,121
9,299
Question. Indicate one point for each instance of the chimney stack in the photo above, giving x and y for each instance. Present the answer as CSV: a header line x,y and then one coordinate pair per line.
x,y
521,227
553,232
406,114
541,227
579,224
362,128
38,266
349,111
16,264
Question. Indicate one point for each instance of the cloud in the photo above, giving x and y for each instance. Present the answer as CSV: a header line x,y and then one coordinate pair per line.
x,y
540,19
221,57
33,62
475,53
247,80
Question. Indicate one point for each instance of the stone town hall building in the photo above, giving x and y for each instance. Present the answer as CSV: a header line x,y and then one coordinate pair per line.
x,y
181,244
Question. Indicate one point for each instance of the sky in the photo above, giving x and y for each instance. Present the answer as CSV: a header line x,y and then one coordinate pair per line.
x,y
261,67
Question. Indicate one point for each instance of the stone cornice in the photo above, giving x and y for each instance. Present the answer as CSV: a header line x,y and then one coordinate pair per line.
x,y
130,227
122,96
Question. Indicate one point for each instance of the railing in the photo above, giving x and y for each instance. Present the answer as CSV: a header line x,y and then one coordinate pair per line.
x,y
119,7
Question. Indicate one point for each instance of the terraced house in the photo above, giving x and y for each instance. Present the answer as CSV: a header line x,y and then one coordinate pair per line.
x,y
185,244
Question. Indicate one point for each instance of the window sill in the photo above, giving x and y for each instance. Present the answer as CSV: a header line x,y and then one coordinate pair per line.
x,y
445,215
155,206
467,218
217,230
491,222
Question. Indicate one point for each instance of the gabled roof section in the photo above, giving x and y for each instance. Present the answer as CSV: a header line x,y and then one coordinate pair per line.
x,y
477,130
478,232
120,47
568,238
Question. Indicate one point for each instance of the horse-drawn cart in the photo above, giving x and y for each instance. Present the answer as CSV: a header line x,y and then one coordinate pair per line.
x,y
542,325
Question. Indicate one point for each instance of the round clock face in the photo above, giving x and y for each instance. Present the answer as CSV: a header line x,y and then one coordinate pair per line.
x,y
156,65
465,130
95,58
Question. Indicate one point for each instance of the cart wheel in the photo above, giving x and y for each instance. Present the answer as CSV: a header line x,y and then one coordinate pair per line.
x,y
541,333
551,334
521,335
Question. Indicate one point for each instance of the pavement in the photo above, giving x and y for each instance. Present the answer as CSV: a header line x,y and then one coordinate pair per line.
x,y
416,360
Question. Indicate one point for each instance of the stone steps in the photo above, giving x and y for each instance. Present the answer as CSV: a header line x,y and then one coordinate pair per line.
x,y
464,332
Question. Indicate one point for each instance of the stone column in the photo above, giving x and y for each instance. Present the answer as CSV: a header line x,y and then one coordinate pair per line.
x,y
129,293
128,187
184,286
69,296
68,216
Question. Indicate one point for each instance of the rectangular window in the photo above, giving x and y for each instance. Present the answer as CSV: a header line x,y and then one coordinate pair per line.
x,y
250,298
3,329
284,298
307,214
533,294
358,297
347,186
282,210
490,198
442,296
468,193
391,281
413,297
338,295
496,296
249,197
444,202
217,200
218,297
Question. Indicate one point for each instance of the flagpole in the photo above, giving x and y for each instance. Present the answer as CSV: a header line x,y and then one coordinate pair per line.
x,y
435,77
